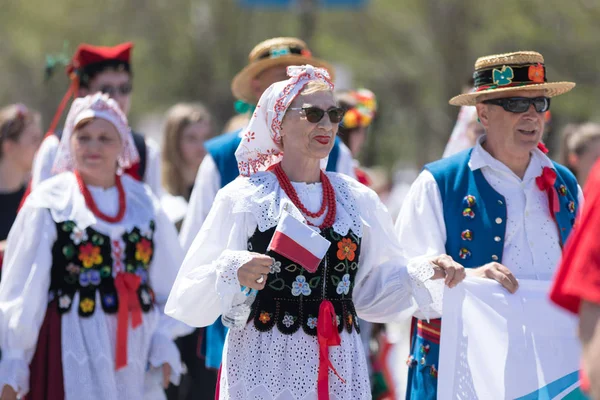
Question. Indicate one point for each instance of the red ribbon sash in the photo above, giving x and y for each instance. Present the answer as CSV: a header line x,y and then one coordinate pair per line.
x,y
127,285
328,335
546,183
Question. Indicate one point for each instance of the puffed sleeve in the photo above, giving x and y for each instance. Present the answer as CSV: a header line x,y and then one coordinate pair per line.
x,y
44,160
421,231
206,186
389,286
207,284
24,293
152,177
168,256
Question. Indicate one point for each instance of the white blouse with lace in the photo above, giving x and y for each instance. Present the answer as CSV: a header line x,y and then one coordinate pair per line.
x,y
272,365
88,343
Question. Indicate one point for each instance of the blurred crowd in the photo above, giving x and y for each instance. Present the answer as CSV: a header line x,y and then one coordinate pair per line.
x,y
176,172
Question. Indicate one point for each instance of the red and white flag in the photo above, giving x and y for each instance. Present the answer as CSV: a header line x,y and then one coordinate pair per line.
x,y
297,242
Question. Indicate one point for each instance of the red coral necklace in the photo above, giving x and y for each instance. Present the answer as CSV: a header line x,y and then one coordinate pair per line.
x,y
91,204
328,202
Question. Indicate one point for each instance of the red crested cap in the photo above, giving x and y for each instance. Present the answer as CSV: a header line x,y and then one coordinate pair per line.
x,y
88,54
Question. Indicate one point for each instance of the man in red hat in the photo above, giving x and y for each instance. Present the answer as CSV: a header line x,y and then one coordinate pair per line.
x,y
107,70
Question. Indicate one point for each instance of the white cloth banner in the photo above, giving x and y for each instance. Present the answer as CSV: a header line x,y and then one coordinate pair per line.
x,y
497,345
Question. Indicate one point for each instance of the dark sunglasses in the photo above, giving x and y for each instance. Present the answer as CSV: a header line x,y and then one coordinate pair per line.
x,y
111,91
521,104
316,114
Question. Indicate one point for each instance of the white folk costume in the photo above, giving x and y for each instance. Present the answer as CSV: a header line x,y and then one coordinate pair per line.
x,y
81,297
283,352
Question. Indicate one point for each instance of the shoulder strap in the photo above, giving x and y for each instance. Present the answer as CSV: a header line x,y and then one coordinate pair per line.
x,y
140,145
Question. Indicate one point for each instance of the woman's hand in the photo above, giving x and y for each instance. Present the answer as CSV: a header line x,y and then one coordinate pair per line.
x,y
497,272
166,370
251,273
446,267
8,393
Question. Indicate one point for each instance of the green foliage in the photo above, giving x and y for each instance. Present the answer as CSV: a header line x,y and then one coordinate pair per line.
x,y
414,54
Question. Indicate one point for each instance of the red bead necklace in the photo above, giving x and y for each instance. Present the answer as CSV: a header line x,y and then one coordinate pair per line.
x,y
91,204
328,203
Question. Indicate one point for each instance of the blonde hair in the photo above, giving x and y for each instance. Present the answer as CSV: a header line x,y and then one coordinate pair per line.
x,y
13,121
314,87
178,118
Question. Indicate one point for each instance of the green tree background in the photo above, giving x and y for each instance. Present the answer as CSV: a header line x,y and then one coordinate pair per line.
x,y
414,54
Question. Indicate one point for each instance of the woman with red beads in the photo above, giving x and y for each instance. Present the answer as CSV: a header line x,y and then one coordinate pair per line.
x,y
301,322
89,261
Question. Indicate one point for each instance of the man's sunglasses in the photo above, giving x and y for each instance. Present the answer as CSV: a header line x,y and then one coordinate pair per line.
x,y
521,104
111,91
316,114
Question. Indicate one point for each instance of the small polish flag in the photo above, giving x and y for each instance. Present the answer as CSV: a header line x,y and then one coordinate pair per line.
x,y
299,243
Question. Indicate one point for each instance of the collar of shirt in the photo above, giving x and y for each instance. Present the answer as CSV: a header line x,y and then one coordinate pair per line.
x,y
480,158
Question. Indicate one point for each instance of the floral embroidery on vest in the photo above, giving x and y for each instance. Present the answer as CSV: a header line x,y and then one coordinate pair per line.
x,y
292,295
87,261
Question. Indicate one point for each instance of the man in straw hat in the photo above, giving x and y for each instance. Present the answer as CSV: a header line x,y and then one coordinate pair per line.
x,y
267,63
502,209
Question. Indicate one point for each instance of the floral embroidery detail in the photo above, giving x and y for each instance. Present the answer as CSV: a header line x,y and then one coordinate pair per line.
x,y
282,51
249,136
78,235
468,213
410,361
467,235
118,255
275,267
346,249
433,372
109,300
312,322
73,269
288,320
143,251
142,273
89,255
536,73
249,246
344,285
89,276
300,286
86,305
64,301
423,361
264,317
350,319
571,207
469,201
464,254
306,53
562,190
504,76
337,320
424,349
68,251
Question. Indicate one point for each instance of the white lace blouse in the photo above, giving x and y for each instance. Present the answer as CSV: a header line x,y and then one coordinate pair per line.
x,y
272,365
88,344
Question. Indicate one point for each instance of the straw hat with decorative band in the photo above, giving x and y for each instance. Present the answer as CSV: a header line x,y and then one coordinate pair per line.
x,y
522,70
277,51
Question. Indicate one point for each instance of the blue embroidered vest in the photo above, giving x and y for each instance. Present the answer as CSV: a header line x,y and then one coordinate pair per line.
x,y
475,214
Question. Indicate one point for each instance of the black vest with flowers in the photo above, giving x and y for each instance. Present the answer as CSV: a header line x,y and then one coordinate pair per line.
x,y
292,295
83,261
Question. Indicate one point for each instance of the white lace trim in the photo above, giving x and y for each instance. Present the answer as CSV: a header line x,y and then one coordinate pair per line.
x,y
420,270
15,373
228,284
262,196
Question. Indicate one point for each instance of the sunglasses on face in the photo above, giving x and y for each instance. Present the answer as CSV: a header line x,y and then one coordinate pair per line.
x,y
111,91
521,104
316,114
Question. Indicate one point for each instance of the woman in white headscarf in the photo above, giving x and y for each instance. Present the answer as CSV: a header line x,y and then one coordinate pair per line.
x,y
89,263
282,350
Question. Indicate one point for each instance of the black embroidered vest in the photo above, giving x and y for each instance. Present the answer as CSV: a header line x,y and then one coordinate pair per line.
x,y
83,260
292,295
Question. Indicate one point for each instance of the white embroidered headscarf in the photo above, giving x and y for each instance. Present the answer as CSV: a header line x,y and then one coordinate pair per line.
x,y
261,139
95,106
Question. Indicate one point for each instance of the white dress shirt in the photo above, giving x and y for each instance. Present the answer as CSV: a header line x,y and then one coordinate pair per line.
x,y
532,246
